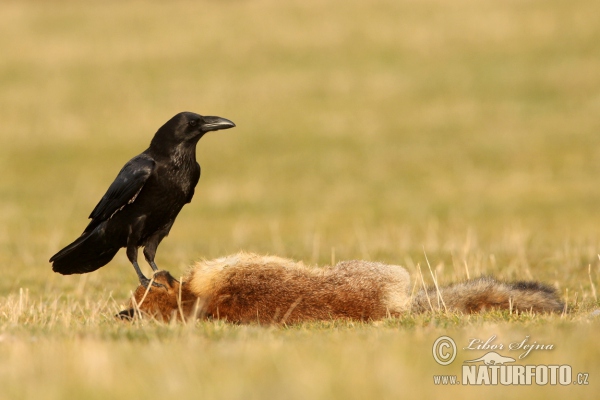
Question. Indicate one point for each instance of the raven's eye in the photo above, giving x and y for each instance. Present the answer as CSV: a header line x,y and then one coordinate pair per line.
x,y
193,122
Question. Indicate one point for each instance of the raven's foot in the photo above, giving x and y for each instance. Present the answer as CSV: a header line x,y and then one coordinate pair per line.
x,y
145,282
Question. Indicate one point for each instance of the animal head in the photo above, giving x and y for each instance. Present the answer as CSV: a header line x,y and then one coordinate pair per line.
x,y
162,300
187,127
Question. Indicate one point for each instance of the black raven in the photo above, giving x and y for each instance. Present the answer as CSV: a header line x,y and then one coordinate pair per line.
x,y
140,206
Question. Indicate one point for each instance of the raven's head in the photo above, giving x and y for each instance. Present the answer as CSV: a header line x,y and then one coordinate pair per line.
x,y
187,127
191,125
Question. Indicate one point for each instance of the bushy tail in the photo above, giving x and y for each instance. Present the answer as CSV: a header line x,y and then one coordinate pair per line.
x,y
86,254
487,293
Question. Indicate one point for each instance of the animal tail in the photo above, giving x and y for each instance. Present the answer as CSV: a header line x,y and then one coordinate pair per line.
x,y
86,254
487,293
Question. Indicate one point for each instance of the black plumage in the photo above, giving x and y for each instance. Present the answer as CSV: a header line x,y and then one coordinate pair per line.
x,y
140,206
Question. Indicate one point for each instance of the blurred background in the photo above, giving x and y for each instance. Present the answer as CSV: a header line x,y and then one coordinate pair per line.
x,y
380,129
466,131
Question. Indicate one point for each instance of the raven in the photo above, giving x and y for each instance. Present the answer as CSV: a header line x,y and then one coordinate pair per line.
x,y
140,206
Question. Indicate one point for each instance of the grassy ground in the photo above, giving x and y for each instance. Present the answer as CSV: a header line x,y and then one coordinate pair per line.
x,y
383,130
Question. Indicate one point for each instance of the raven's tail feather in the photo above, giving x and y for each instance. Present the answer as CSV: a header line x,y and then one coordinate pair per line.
x,y
86,254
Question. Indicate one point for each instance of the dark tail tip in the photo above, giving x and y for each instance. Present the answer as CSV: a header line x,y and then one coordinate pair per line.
x,y
126,315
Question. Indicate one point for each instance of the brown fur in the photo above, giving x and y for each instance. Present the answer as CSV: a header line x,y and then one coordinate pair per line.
x,y
486,293
164,302
245,288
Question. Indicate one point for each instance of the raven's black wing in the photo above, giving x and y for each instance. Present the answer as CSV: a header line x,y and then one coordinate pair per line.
x,y
127,185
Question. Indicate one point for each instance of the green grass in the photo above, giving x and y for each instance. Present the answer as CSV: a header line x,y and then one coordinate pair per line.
x,y
382,130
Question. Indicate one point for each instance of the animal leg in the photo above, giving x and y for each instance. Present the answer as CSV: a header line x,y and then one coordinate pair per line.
x,y
152,245
149,253
132,252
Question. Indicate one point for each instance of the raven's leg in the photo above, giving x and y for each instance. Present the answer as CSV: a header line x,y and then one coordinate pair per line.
x,y
133,239
132,256
152,244
150,251
132,252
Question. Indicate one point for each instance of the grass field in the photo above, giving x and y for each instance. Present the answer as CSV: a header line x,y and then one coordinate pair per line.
x,y
382,130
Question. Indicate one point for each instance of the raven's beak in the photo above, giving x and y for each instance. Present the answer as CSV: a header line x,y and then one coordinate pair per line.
x,y
216,124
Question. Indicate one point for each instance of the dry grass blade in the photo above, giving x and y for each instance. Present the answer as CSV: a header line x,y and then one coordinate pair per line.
x,y
437,288
592,282
425,288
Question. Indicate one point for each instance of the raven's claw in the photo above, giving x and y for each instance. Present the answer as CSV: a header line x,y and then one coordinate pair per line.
x,y
145,282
